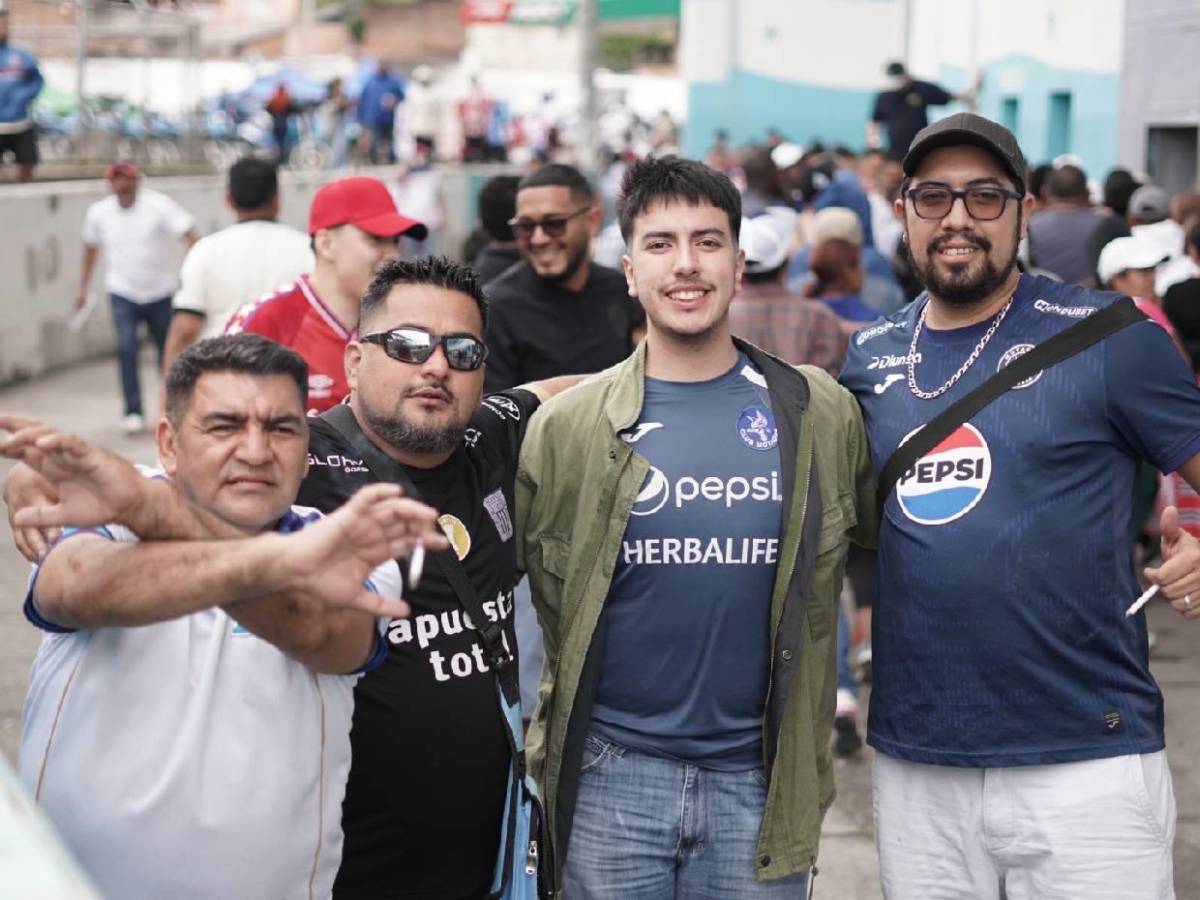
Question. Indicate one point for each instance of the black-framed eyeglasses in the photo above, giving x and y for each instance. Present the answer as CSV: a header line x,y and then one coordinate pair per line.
x,y
934,201
410,344
553,226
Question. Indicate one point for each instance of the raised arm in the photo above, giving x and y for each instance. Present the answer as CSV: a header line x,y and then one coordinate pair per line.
x,y
307,592
549,387
66,481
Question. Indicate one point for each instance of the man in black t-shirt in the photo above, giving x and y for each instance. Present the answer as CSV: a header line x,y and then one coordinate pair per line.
x,y
430,759
902,109
558,313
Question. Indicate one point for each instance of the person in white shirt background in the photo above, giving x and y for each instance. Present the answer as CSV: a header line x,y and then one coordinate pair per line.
x,y
225,270
135,228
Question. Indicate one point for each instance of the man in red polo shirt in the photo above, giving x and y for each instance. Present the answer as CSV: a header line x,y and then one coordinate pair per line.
x,y
354,226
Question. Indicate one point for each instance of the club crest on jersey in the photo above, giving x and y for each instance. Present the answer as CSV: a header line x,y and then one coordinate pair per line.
x,y
946,483
1015,352
756,428
497,508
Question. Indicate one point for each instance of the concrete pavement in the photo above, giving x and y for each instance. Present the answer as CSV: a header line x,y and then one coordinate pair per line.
x,y
85,399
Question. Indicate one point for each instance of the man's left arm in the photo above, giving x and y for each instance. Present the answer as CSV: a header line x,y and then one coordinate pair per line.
x,y
179,222
316,625
1154,409
325,626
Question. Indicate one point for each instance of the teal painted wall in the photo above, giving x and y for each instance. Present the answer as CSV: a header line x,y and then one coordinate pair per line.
x,y
1095,97
747,105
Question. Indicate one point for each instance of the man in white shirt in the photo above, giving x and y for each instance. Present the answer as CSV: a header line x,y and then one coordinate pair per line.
x,y
186,726
136,228
231,267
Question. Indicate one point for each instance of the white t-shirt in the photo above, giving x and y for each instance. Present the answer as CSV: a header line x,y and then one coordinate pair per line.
x,y
229,268
139,243
418,195
190,758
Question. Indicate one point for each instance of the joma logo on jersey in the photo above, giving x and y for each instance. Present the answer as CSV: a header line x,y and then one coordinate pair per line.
x,y
946,483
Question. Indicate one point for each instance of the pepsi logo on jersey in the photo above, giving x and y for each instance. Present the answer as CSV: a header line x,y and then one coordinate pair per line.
x,y
949,481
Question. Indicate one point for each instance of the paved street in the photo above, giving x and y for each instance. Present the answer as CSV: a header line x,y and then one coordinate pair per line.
x,y
85,400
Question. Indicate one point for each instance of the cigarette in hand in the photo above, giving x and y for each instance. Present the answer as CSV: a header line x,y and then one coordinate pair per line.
x,y
1142,600
416,564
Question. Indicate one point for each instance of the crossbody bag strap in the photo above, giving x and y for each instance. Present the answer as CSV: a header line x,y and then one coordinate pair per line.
x,y
1068,342
386,469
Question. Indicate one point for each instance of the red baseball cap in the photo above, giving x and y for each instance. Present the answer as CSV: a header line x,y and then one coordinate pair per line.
x,y
121,167
365,203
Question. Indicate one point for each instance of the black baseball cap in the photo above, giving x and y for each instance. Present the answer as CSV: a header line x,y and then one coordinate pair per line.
x,y
968,128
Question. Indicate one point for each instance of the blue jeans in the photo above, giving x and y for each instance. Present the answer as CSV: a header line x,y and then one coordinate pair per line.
x,y
126,316
845,672
647,828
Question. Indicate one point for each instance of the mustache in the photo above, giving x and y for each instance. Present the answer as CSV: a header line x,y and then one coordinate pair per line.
x,y
440,386
977,240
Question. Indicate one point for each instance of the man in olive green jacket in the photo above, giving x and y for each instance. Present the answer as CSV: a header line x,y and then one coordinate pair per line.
x,y
686,573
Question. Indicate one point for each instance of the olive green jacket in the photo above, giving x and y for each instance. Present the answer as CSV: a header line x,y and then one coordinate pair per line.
x,y
576,484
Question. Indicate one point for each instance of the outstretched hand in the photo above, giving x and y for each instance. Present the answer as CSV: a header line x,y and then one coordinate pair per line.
x,y
331,560
83,485
1178,577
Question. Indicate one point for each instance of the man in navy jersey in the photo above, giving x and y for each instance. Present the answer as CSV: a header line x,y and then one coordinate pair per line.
x,y
684,518
1018,728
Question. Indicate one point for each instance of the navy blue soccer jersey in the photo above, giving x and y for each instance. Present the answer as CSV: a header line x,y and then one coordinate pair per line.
x,y
999,634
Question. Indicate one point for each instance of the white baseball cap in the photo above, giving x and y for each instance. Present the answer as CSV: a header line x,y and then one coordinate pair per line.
x,y
1123,253
767,238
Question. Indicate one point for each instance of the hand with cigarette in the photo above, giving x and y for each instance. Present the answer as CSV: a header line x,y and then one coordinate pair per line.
x,y
1178,578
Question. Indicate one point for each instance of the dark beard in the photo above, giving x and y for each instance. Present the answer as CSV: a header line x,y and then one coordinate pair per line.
x,y
404,435
955,291
578,257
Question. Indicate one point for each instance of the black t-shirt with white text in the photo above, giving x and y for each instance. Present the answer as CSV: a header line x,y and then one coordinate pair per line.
x,y
430,758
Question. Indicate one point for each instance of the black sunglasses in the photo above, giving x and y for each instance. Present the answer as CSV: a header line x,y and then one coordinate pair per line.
x,y
934,201
415,345
553,226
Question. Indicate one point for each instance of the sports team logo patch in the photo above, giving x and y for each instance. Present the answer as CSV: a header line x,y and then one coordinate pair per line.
x,y
320,385
756,428
1016,351
947,482
497,508
456,531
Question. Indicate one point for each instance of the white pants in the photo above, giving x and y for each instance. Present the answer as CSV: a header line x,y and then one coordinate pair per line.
x,y
1094,830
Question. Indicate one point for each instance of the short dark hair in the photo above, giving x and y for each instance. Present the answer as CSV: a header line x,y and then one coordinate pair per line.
x,y
498,204
1038,176
250,354
1119,186
671,178
253,183
762,175
895,68
559,175
1067,183
435,271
